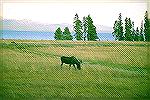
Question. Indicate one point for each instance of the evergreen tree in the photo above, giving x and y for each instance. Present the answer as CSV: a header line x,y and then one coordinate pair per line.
x,y
58,34
141,32
137,34
118,29
91,29
133,32
128,29
146,27
66,34
77,27
84,25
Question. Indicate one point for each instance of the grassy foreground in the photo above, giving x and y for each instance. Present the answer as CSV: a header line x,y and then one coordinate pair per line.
x,y
31,70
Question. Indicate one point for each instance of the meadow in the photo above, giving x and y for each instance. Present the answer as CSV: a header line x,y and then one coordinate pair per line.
x,y
30,69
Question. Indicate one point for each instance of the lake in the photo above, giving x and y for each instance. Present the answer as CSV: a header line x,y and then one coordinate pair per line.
x,y
36,35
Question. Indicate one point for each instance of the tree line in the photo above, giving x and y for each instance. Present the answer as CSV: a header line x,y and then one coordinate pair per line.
x,y
84,30
128,32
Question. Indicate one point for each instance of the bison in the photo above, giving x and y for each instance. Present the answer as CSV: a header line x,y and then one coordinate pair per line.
x,y
71,61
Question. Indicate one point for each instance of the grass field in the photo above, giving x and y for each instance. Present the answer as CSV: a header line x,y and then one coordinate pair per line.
x,y
31,70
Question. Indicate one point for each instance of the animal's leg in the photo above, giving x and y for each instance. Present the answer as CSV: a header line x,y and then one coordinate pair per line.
x,y
74,66
61,64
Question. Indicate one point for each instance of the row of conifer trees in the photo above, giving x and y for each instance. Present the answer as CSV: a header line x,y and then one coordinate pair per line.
x,y
128,32
85,30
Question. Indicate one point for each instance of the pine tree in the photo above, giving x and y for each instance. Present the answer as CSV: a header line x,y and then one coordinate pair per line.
x,y
128,29
84,25
118,29
147,27
91,29
132,32
58,34
77,27
137,34
66,34
141,32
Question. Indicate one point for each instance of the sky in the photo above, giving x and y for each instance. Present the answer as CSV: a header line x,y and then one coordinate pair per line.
x,y
103,12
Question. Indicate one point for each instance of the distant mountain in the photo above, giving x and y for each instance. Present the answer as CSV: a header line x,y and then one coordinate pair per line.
x,y
103,29
28,25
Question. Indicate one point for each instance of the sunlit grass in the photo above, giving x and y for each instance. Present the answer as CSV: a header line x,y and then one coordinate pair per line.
x,y
31,69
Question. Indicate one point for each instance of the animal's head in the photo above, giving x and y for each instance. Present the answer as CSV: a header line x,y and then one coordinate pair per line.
x,y
79,66
77,62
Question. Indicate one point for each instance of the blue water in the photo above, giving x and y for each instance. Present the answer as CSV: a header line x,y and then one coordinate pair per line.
x,y
27,35
35,35
106,37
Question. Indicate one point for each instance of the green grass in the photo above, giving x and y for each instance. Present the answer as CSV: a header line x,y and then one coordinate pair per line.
x,y
31,70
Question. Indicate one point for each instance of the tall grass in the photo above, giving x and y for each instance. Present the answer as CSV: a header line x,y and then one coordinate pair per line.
x,y
31,70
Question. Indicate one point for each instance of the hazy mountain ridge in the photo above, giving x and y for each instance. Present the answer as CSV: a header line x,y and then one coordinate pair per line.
x,y
28,25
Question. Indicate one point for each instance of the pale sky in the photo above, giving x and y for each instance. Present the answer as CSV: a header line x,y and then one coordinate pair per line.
x,y
103,12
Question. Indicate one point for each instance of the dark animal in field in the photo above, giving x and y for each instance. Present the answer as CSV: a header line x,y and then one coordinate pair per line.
x,y
13,42
71,61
